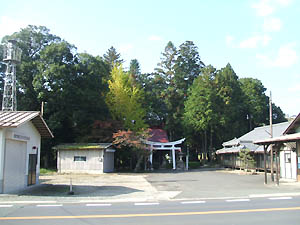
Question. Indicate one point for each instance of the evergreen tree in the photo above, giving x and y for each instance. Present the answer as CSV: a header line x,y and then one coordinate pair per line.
x,y
112,57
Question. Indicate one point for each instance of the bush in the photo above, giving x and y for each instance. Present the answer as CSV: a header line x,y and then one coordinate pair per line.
x,y
44,171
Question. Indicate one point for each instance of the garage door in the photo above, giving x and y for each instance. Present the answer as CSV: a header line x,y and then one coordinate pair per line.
x,y
14,166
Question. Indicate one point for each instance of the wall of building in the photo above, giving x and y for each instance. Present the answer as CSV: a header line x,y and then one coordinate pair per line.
x,y
2,147
108,163
93,163
288,164
33,144
26,137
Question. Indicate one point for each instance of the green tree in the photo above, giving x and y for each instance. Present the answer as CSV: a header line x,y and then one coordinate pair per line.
x,y
70,84
178,69
230,103
246,158
112,57
255,101
202,114
32,40
125,100
134,70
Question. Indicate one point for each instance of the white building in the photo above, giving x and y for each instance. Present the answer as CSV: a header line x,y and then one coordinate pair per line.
x,y
20,148
92,158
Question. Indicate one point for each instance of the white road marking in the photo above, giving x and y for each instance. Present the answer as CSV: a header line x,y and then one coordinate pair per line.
x,y
238,200
6,206
146,203
280,198
194,202
28,202
91,205
58,205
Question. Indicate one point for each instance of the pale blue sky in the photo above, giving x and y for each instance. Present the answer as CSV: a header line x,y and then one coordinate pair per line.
x,y
259,38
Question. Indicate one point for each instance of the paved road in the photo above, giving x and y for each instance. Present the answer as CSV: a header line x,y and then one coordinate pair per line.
x,y
275,210
209,183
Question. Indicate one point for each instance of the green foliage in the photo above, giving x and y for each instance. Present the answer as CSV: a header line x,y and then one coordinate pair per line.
x,y
125,100
247,160
45,171
89,98
112,57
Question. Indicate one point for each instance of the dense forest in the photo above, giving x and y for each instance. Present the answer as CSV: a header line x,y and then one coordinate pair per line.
x,y
88,98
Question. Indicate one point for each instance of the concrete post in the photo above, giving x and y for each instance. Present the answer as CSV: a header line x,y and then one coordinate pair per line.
x,y
173,158
265,163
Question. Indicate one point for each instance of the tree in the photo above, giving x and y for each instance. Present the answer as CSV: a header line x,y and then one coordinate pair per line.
x,y
247,160
230,102
125,100
112,57
178,69
32,40
202,108
134,70
255,101
136,143
70,84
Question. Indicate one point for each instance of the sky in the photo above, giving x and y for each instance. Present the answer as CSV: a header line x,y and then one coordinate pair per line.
x,y
259,38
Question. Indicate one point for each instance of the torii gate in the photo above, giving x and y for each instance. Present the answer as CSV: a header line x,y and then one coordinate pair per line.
x,y
165,146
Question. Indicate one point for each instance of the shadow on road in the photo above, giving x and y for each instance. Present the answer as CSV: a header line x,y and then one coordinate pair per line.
x,y
59,190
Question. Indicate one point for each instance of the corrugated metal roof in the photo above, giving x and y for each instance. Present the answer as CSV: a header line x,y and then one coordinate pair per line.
x,y
83,146
17,118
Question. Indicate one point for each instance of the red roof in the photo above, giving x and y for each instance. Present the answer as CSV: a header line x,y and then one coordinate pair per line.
x,y
158,135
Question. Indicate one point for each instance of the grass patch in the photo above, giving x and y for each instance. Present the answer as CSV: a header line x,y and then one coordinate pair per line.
x,y
44,171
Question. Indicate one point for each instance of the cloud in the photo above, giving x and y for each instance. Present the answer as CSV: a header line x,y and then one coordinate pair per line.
x,y
154,38
268,7
284,2
286,57
263,8
255,41
272,24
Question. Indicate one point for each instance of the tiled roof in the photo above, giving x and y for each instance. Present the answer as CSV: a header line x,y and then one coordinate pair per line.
x,y
17,118
248,139
158,135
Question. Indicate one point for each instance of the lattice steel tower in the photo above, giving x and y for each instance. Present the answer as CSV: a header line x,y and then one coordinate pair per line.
x,y
12,56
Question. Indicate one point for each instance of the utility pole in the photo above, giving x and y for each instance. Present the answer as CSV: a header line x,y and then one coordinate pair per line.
x,y
11,56
271,134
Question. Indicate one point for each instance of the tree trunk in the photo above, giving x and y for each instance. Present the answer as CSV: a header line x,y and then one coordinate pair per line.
x,y
138,164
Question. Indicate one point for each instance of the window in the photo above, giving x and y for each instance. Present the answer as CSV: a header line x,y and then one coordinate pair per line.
x,y
79,158
287,157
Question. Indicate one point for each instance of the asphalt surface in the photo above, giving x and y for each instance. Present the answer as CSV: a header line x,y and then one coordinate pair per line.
x,y
206,196
158,186
267,211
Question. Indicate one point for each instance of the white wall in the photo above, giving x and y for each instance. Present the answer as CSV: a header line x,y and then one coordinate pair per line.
x,y
2,146
28,134
288,170
93,163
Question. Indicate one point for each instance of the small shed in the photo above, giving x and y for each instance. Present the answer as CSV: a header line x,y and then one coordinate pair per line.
x,y
20,148
93,158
